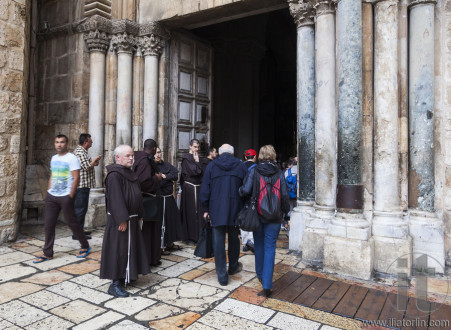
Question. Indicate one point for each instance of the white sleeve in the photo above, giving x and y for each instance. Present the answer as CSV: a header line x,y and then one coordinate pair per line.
x,y
74,163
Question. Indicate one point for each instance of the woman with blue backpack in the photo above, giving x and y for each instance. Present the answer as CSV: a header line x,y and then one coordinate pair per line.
x,y
266,184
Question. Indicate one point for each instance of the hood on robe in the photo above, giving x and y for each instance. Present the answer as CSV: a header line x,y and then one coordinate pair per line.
x,y
227,162
127,173
267,168
164,167
188,156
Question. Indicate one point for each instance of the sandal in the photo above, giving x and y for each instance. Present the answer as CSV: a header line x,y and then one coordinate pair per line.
x,y
165,252
40,259
174,247
84,253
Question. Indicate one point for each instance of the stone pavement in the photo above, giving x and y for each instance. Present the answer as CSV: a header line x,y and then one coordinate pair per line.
x,y
183,292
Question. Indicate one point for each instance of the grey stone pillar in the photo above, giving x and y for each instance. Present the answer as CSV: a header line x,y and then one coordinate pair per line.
x,y
138,100
124,44
303,15
97,42
426,229
390,231
325,135
348,247
110,105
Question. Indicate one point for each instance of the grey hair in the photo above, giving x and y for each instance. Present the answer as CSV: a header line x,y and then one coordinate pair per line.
x,y
226,148
119,150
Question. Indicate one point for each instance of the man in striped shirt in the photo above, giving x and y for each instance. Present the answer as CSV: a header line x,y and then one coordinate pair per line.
x,y
87,179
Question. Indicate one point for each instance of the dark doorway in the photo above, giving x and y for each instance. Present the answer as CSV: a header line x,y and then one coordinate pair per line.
x,y
254,83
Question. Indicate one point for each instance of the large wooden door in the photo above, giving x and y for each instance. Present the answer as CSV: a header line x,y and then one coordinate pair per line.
x,y
190,92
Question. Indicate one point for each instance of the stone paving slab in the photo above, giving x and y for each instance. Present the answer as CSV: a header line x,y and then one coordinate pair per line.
x,y
225,321
21,314
175,322
129,305
44,299
48,278
52,322
244,310
180,268
289,322
12,290
158,311
74,291
59,259
14,258
77,311
100,322
13,272
127,325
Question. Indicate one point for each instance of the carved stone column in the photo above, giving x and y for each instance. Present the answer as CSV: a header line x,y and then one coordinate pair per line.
x,y
426,229
110,104
124,43
390,232
325,134
151,42
97,42
138,100
303,14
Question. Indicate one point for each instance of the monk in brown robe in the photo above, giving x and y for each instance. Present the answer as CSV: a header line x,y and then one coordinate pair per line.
x,y
123,251
149,178
190,180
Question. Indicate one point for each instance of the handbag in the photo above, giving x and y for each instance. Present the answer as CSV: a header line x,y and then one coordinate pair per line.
x,y
153,208
204,247
248,219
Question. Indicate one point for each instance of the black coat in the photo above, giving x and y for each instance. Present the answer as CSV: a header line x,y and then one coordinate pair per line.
x,y
219,190
123,199
266,169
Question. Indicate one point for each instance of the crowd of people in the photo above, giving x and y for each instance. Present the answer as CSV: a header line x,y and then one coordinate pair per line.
x,y
213,189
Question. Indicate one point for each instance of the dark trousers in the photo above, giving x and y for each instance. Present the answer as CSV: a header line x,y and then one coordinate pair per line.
x,y
219,250
265,242
81,205
53,206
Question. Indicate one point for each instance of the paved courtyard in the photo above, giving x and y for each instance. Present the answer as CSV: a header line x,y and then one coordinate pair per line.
x,y
183,292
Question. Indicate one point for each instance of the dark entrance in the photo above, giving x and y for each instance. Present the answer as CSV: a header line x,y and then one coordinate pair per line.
x,y
254,83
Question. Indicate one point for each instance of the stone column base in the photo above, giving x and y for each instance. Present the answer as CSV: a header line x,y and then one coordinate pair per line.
x,y
313,246
298,219
392,255
349,257
96,215
428,234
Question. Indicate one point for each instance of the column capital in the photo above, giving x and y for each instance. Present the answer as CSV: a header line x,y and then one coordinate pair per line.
x,y
412,3
151,44
302,12
97,41
323,6
123,42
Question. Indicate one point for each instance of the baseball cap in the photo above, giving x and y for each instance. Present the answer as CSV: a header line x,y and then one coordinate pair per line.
x,y
250,152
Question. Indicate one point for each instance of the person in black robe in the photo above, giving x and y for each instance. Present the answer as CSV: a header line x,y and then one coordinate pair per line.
x,y
149,178
123,251
211,154
190,180
172,222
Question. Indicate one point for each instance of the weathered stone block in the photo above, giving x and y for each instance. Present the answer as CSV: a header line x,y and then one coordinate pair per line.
x,y
15,103
12,81
298,220
8,165
77,85
3,143
349,257
18,14
10,37
63,65
7,234
3,57
448,176
313,245
392,255
11,187
15,144
4,10
2,188
61,47
62,88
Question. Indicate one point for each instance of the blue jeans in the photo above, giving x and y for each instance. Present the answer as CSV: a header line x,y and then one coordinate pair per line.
x,y
219,250
81,204
265,239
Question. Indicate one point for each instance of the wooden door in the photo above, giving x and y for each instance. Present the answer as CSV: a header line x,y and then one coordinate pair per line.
x,y
190,92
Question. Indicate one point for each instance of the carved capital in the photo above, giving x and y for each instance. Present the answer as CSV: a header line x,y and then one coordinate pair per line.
x,y
413,3
97,41
302,12
154,28
323,7
123,42
151,44
94,23
125,26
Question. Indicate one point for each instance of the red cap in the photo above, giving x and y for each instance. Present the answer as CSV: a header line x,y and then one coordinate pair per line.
x,y
251,152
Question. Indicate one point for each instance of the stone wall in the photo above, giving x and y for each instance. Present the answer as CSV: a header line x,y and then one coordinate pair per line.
x,y
443,72
14,40
62,79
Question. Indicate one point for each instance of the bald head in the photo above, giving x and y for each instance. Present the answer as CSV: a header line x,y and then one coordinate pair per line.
x,y
226,148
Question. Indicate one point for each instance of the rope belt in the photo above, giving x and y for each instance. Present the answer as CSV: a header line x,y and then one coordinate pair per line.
x,y
195,193
163,225
127,270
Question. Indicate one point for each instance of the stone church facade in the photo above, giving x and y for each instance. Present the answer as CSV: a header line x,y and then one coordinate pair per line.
x,y
369,83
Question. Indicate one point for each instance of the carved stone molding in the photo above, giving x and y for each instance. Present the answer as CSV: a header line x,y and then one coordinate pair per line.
x,y
93,23
123,42
151,44
125,26
323,7
154,28
412,3
97,41
302,12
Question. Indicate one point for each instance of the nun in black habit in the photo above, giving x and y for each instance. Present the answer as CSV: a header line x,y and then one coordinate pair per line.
x,y
190,181
123,251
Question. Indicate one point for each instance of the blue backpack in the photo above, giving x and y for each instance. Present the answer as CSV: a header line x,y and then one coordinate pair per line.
x,y
292,182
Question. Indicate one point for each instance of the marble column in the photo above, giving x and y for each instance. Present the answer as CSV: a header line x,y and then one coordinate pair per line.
x,y
138,100
97,42
325,134
426,229
110,104
152,46
303,13
390,230
124,44
348,247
